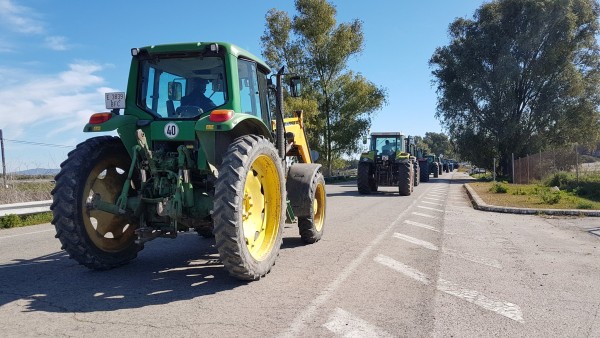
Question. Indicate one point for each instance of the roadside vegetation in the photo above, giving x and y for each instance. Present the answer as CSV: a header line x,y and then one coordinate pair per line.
x,y
13,221
560,191
26,189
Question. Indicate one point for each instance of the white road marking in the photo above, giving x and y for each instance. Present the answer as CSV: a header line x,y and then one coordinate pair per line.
x,y
433,199
428,208
433,203
402,268
27,233
506,309
345,324
476,259
424,215
416,241
425,226
305,316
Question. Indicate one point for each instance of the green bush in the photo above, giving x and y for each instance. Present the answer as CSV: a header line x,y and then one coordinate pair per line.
x,y
499,188
560,179
519,191
550,197
10,221
584,205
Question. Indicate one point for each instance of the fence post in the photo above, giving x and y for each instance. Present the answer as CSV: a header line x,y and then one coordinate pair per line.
x,y
527,168
576,164
494,169
3,161
540,167
513,167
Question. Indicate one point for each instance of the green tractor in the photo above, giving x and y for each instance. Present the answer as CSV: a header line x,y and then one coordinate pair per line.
x,y
197,149
411,148
429,166
386,164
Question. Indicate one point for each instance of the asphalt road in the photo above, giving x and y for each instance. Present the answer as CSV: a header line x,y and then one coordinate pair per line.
x,y
427,265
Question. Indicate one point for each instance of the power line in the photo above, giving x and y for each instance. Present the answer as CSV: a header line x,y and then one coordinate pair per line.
x,y
40,144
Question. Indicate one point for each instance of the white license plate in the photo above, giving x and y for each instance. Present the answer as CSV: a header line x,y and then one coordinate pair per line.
x,y
115,100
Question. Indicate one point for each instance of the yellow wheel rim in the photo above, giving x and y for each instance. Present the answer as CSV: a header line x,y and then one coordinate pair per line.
x,y
319,207
261,207
108,232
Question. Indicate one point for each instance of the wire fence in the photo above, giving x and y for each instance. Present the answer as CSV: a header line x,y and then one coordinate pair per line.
x,y
538,167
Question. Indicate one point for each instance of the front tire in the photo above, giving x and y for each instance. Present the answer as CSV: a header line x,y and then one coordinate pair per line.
x,y
311,228
363,181
424,171
417,173
94,238
249,207
405,179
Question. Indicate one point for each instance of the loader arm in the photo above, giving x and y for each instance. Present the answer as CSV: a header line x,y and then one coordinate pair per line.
x,y
296,141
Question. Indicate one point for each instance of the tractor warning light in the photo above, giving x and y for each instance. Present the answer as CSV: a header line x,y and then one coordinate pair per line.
x,y
100,118
220,115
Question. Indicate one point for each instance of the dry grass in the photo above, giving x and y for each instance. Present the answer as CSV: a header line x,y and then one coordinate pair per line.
x,y
20,191
532,196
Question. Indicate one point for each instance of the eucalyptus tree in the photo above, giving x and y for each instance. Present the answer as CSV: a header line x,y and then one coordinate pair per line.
x,y
312,44
521,76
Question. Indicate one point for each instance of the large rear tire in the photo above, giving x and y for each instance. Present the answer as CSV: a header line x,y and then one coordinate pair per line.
x,y
249,207
405,179
363,180
424,171
96,239
417,173
311,227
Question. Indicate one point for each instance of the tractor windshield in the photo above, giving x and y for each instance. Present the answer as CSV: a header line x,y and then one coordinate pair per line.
x,y
386,145
182,87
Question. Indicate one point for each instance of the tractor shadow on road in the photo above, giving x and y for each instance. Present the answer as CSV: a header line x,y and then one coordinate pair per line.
x,y
164,272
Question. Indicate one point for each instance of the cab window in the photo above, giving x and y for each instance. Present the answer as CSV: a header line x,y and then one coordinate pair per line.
x,y
250,98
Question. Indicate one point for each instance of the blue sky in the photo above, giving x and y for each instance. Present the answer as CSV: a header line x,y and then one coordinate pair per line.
x,y
58,58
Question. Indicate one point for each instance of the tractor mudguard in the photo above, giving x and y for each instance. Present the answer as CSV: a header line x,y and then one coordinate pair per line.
x,y
299,178
215,137
115,122
246,122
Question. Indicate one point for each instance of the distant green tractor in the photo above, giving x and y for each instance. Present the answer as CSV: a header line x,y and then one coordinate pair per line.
x,y
386,164
429,166
197,149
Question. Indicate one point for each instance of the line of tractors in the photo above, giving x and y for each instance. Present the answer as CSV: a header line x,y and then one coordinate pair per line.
x,y
394,160
197,145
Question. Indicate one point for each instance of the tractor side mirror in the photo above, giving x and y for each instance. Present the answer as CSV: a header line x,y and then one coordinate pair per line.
x,y
217,84
314,155
295,86
174,91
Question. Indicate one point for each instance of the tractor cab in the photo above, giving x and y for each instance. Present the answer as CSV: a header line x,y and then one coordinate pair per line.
x,y
178,85
386,146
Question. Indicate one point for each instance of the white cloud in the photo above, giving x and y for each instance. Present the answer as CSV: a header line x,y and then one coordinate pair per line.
x,y
19,18
58,43
64,100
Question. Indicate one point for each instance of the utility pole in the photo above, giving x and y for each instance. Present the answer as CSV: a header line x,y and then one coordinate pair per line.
x,y
3,161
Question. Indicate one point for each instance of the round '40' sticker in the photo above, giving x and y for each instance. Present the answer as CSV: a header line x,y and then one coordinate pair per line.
x,y
171,130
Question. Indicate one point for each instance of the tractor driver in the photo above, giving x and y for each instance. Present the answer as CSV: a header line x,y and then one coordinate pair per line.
x,y
387,148
196,96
